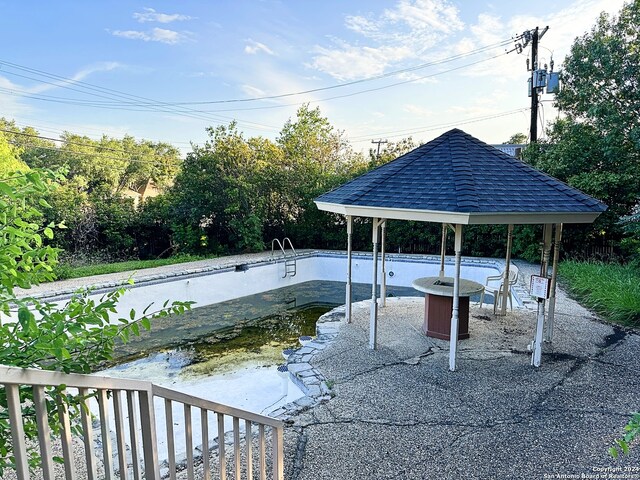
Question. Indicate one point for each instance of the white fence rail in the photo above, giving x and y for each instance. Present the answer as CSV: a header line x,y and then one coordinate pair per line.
x,y
120,431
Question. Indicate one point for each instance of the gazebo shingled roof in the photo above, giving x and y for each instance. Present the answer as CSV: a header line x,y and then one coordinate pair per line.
x,y
457,178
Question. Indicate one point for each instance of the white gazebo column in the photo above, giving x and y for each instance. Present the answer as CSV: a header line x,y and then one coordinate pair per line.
x,y
347,297
383,277
548,337
373,316
453,339
443,249
537,343
507,267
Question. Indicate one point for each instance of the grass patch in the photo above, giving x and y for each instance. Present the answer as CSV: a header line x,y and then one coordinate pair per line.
x,y
65,271
611,290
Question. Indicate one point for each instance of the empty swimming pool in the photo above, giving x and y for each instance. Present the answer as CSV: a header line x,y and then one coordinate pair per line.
x,y
225,284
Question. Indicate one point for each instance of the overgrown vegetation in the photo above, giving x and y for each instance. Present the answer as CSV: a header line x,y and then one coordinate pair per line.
x,y
611,290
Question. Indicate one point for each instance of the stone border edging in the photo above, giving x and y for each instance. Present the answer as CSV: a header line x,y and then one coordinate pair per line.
x,y
309,379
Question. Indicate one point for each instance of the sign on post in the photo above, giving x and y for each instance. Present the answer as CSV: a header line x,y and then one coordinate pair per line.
x,y
539,286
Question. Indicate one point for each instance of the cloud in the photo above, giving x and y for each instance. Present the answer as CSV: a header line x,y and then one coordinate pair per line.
x,y
252,91
150,15
349,62
418,110
13,97
254,47
408,31
77,77
565,25
162,35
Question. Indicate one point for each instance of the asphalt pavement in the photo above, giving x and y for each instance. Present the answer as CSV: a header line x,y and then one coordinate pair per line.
x,y
398,412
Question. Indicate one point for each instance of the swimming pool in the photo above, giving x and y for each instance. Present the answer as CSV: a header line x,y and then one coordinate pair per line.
x,y
225,284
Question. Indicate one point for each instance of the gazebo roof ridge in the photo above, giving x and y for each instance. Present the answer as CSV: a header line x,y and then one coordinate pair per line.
x,y
457,178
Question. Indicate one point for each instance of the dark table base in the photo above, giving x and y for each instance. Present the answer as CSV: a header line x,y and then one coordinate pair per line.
x,y
437,317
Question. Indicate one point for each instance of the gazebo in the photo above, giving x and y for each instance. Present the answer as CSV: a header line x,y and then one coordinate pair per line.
x,y
459,180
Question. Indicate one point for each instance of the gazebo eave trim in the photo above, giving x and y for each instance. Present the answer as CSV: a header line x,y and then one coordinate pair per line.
x,y
462,218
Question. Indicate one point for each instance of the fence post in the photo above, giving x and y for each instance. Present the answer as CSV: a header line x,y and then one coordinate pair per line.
x,y
149,438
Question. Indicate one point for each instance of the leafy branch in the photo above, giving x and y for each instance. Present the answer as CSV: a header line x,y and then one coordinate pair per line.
x,y
75,337
632,431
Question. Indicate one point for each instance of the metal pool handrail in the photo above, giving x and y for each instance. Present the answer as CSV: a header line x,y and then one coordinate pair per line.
x,y
141,419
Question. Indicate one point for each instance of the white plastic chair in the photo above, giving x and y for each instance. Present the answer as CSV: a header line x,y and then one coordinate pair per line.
x,y
494,285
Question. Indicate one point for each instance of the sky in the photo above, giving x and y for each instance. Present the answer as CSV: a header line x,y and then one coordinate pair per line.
x,y
165,71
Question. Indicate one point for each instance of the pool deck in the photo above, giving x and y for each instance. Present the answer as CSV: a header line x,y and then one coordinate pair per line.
x,y
398,412
166,272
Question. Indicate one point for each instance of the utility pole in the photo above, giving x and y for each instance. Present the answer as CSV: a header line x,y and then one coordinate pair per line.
x,y
379,142
533,131
538,79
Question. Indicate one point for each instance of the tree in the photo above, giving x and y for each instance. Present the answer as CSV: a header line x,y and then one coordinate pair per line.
x,y
517,139
596,147
9,159
317,157
391,151
219,196
76,337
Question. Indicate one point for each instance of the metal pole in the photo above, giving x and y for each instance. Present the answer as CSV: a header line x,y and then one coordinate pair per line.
x,y
554,274
453,339
349,291
505,283
537,345
373,316
443,249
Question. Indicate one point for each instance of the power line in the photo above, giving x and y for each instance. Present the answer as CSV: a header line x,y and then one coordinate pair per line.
x,y
427,128
151,102
49,128
41,137
124,106
110,94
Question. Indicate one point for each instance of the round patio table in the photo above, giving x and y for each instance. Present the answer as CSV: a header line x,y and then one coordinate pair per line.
x,y
438,305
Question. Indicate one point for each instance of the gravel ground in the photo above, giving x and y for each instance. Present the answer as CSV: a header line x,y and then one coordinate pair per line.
x,y
398,412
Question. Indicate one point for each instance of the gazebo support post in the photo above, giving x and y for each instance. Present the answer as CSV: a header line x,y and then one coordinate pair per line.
x,y
443,249
507,267
383,277
548,337
373,316
347,299
453,339
537,343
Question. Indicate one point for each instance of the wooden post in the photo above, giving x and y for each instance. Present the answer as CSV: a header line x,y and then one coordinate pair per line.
x,y
537,343
349,257
453,339
383,273
373,315
443,249
552,294
505,284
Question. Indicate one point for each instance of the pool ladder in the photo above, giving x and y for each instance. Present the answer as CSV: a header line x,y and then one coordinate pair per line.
x,y
289,258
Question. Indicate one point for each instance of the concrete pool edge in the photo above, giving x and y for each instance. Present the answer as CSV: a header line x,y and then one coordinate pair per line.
x,y
64,289
310,380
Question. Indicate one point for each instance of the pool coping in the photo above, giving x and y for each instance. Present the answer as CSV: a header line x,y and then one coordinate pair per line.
x,y
99,284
